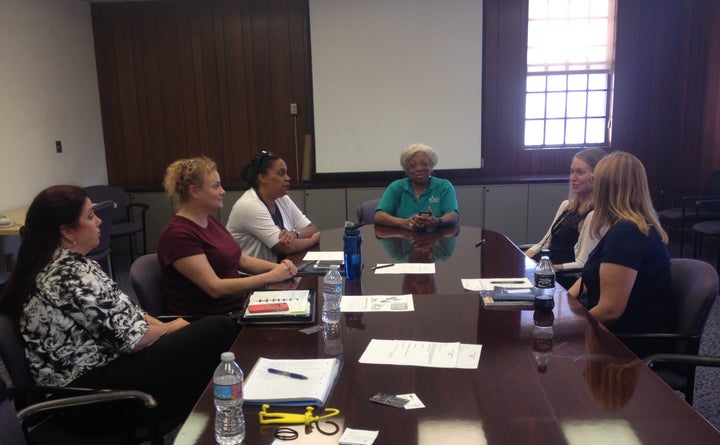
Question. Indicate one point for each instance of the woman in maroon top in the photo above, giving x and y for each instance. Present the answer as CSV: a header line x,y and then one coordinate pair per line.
x,y
201,261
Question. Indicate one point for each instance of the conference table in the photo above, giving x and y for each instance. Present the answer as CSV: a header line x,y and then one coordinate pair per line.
x,y
542,378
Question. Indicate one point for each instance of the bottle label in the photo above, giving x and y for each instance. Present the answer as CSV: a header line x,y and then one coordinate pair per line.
x,y
228,392
544,281
332,288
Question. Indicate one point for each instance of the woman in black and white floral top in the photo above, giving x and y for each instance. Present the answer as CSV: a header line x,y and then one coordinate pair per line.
x,y
81,329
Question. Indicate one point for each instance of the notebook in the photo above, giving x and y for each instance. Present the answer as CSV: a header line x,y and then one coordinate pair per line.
x,y
279,307
277,387
522,297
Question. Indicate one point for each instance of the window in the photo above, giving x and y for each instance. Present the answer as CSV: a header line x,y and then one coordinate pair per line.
x,y
569,73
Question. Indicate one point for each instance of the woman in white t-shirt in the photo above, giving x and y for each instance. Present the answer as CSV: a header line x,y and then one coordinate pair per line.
x,y
265,222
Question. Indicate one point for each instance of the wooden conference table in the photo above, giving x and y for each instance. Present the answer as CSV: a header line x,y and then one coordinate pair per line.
x,y
592,390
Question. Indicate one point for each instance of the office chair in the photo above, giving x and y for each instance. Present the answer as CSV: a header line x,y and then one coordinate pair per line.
x,y
706,228
366,211
683,212
9,423
146,280
695,286
101,253
38,417
122,218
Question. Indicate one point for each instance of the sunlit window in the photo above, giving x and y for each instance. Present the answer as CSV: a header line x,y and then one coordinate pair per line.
x,y
570,66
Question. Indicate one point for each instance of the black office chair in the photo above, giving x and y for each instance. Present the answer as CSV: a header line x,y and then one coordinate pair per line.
x,y
39,416
695,286
682,210
366,211
101,253
710,229
9,423
146,280
123,223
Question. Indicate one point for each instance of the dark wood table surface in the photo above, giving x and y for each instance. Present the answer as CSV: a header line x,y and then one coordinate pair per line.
x,y
592,389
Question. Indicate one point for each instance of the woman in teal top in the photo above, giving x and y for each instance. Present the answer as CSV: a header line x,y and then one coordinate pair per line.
x,y
420,201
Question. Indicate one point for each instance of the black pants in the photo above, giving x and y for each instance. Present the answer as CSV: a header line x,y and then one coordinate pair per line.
x,y
175,369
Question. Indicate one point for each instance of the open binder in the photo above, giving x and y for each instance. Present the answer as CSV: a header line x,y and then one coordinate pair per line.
x,y
265,384
279,307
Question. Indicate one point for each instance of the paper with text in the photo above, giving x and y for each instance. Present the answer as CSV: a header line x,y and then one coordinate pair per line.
x,y
422,353
402,268
488,284
377,303
316,255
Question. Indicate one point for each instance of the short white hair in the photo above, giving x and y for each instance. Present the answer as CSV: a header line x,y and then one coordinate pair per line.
x,y
411,150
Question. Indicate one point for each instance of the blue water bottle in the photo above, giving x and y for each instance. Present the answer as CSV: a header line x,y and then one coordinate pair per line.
x,y
352,240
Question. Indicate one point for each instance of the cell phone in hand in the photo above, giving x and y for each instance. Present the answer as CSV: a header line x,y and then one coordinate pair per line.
x,y
424,214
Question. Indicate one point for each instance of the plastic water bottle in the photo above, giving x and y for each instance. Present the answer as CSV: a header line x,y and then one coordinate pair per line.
x,y
543,338
332,291
352,241
228,390
544,285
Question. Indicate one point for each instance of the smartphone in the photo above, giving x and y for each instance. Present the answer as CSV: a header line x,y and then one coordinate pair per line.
x,y
424,214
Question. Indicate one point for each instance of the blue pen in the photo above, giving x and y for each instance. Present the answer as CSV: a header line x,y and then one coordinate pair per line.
x,y
292,375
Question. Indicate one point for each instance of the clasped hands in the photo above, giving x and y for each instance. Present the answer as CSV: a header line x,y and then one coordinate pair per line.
x,y
423,220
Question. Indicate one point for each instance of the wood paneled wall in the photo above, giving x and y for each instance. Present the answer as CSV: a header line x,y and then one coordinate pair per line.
x,y
180,78
212,77
666,89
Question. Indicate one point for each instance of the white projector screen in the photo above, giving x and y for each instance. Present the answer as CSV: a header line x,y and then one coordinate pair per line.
x,y
388,73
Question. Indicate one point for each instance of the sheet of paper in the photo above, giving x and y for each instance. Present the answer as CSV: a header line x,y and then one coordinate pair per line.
x,y
358,437
329,255
488,284
377,303
469,356
419,353
402,268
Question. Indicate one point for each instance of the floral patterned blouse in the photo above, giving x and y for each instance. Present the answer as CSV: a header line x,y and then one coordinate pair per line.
x,y
76,319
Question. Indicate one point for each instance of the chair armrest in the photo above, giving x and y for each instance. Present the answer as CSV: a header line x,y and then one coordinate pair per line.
x,y
655,336
102,397
167,318
682,359
670,193
707,200
139,205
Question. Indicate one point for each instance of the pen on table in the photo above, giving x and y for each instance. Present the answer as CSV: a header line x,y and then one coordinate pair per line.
x,y
480,243
292,375
507,282
382,266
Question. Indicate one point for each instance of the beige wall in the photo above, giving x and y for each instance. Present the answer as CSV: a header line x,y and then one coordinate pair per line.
x,y
48,92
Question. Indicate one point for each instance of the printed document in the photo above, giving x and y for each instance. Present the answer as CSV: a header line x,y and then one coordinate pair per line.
x,y
422,353
377,303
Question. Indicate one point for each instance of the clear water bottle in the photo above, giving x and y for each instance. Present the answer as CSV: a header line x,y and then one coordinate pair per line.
x,y
352,241
228,390
544,285
332,291
543,338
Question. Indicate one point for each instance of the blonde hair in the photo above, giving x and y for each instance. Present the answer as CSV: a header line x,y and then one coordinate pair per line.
x,y
590,156
621,193
410,151
183,173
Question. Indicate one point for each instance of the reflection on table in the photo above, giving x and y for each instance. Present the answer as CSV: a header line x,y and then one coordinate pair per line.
x,y
505,400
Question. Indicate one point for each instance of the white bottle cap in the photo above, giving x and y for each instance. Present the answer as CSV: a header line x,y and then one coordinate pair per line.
x,y
227,356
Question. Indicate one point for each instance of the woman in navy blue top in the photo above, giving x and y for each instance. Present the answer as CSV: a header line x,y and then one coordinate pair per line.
x,y
625,282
